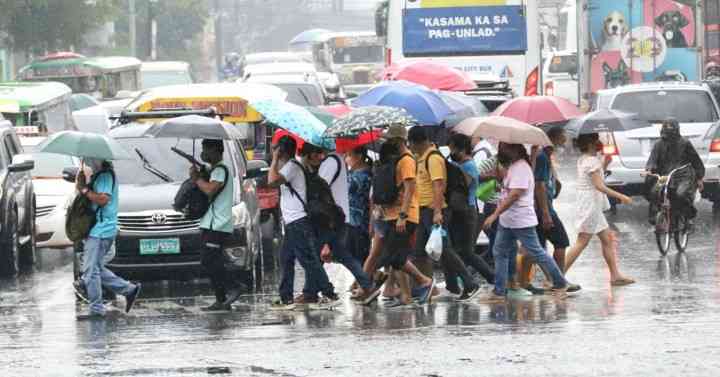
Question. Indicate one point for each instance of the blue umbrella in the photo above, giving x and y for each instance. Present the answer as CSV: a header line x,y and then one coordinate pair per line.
x,y
423,104
295,119
463,107
309,36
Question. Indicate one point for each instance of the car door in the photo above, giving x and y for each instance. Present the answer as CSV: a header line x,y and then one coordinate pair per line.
x,y
248,194
15,181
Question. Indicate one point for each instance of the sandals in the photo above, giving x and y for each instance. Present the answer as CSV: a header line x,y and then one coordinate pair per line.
x,y
622,281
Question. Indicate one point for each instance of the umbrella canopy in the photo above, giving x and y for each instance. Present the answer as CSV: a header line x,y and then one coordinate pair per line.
x,y
539,109
295,119
463,107
279,135
194,127
345,145
84,145
506,130
366,119
326,117
605,120
421,103
339,109
308,36
432,74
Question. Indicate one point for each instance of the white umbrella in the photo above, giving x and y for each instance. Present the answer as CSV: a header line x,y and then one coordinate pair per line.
x,y
503,129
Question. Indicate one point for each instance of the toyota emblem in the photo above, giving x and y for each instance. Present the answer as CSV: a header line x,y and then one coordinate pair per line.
x,y
159,218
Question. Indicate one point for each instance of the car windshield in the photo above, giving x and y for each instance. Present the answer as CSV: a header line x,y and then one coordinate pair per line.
x,y
158,154
49,165
153,79
687,106
302,94
359,54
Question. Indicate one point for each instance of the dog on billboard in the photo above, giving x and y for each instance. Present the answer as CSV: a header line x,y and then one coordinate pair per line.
x,y
614,29
616,77
671,23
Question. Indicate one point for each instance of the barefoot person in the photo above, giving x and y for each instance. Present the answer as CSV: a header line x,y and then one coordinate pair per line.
x,y
591,202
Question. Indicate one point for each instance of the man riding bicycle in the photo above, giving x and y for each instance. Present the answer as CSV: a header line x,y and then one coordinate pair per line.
x,y
672,151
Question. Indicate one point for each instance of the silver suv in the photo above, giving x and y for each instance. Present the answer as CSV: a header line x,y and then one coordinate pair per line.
x,y
695,108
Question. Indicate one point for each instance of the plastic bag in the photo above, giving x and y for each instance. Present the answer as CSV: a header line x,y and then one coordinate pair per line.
x,y
434,246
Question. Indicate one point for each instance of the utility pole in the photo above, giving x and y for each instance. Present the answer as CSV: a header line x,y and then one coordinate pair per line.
x,y
133,30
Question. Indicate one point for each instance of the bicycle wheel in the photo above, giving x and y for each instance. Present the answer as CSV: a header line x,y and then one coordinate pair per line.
x,y
681,234
663,236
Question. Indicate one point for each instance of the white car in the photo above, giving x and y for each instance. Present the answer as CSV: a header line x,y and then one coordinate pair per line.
x,y
53,194
560,75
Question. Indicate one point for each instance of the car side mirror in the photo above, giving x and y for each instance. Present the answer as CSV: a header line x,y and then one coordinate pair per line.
x,y
256,169
70,174
21,166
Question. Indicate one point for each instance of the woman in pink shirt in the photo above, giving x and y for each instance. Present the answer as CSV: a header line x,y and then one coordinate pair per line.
x,y
517,222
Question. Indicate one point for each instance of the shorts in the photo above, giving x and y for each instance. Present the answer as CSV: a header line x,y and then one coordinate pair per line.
x,y
380,227
397,246
556,235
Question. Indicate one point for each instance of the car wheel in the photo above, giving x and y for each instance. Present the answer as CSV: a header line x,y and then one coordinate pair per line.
x,y
9,252
28,251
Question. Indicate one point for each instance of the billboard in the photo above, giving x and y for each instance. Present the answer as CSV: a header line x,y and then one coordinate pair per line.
x,y
463,27
639,41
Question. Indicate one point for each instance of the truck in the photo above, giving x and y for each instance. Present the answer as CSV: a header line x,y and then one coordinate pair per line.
x,y
496,42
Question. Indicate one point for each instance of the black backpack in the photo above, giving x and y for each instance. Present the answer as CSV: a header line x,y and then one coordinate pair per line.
x,y
339,168
385,190
80,217
457,189
320,206
194,203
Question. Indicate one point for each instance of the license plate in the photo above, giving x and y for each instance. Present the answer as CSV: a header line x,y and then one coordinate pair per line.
x,y
160,246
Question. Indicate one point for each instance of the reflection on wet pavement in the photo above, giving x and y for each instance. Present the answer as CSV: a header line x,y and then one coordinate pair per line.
x,y
665,324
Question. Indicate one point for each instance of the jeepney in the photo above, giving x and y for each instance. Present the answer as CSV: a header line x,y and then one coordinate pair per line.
x,y
101,77
43,107
356,57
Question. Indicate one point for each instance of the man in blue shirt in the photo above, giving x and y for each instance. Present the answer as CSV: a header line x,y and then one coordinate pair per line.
x,y
103,194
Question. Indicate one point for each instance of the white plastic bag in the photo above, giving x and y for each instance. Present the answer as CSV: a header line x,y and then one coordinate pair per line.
x,y
434,246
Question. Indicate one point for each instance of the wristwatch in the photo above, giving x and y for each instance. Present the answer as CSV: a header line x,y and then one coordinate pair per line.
x,y
403,216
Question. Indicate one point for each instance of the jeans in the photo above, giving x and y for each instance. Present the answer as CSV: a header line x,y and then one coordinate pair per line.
x,y
463,234
341,253
505,251
214,262
452,265
95,275
301,244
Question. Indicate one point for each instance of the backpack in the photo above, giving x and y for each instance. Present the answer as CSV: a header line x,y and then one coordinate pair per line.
x,y
457,188
385,190
194,203
320,205
339,168
80,217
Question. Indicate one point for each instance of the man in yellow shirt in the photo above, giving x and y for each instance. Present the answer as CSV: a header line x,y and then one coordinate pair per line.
x,y
431,186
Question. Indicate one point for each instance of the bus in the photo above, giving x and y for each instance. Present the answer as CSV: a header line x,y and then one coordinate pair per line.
x,y
356,57
495,41
101,77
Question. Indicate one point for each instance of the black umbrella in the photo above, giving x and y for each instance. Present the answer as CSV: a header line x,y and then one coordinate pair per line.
x,y
605,120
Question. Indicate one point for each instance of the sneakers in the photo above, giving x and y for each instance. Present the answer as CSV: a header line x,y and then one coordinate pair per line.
x,y
469,294
80,291
217,307
518,293
279,305
232,296
130,298
325,303
571,288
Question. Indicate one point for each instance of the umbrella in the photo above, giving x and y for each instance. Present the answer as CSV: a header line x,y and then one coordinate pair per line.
x,y
326,117
279,135
432,74
194,127
605,120
539,109
366,119
421,103
309,36
506,130
338,109
463,107
84,145
347,144
295,119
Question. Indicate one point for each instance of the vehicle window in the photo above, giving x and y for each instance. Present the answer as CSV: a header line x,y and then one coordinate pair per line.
x,y
687,106
82,101
302,94
563,64
358,54
10,147
153,79
159,155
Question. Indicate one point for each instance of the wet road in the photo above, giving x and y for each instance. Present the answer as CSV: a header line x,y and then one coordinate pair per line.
x,y
666,324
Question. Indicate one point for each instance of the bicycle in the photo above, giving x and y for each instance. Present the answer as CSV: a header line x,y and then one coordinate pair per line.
x,y
668,224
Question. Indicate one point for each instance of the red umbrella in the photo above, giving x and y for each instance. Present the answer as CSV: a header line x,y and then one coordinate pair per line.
x,y
431,74
539,109
280,133
344,145
338,110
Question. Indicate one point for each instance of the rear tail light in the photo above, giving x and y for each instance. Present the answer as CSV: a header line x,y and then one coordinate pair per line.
x,y
715,145
609,146
531,83
388,57
610,150
549,89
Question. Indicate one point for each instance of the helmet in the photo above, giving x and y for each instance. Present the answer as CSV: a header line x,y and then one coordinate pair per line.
x,y
712,69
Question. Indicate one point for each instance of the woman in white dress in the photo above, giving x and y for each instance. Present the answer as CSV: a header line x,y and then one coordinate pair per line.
x,y
592,201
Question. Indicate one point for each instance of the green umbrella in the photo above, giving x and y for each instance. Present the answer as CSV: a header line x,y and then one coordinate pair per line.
x,y
84,145
323,115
